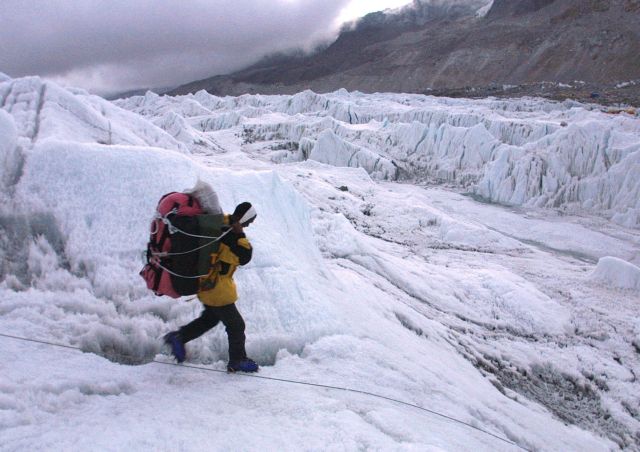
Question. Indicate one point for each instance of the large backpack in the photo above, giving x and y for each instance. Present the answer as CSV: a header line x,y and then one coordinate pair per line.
x,y
181,242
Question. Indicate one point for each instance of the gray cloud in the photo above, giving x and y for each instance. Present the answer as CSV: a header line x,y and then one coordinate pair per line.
x,y
111,45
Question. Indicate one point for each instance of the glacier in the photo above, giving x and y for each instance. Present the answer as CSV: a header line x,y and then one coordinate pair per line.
x,y
459,255
529,152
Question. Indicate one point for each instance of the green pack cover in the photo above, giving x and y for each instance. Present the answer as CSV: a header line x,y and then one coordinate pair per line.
x,y
211,226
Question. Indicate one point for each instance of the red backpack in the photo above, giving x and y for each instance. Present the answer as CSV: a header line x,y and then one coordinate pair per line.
x,y
182,244
166,272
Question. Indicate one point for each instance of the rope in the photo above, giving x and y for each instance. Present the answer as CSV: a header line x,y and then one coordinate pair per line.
x,y
304,383
201,236
165,254
177,274
173,230
171,227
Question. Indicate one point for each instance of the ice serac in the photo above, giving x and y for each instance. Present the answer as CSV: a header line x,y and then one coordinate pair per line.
x,y
531,152
617,273
585,165
10,157
332,150
180,129
8,142
101,243
43,110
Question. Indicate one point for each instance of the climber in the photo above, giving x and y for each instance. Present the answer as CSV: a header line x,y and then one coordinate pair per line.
x,y
217,292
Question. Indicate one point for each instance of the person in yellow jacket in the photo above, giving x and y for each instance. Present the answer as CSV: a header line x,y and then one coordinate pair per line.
x,y
218,294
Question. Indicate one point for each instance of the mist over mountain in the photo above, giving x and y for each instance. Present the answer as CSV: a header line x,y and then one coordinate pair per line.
x,y
438,45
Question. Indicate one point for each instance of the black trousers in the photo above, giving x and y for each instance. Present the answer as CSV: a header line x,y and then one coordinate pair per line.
x,y
210,317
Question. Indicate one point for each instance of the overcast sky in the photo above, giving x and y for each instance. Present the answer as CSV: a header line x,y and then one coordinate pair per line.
x,y
111,46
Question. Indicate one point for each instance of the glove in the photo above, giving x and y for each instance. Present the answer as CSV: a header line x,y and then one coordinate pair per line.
x,y
231,238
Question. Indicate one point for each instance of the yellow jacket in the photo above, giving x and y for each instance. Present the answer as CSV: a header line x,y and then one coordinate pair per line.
x,y
218,288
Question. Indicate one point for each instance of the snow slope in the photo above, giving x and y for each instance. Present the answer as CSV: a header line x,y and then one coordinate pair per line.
x,y
418,294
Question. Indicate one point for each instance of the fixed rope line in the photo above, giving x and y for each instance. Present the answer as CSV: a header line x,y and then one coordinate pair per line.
x,y
179,275
160,254
166,253
214,240
173,229
304,383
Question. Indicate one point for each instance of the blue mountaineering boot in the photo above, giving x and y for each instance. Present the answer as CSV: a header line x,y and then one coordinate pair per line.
x,y
173,340
244,365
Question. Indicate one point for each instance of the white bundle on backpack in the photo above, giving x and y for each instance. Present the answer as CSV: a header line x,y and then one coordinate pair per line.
x,y
207,197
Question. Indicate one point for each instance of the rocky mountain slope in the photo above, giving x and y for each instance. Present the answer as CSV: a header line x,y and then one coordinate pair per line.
x,y
432,47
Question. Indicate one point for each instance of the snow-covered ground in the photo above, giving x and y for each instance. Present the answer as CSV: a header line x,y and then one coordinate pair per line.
x,y
518,318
